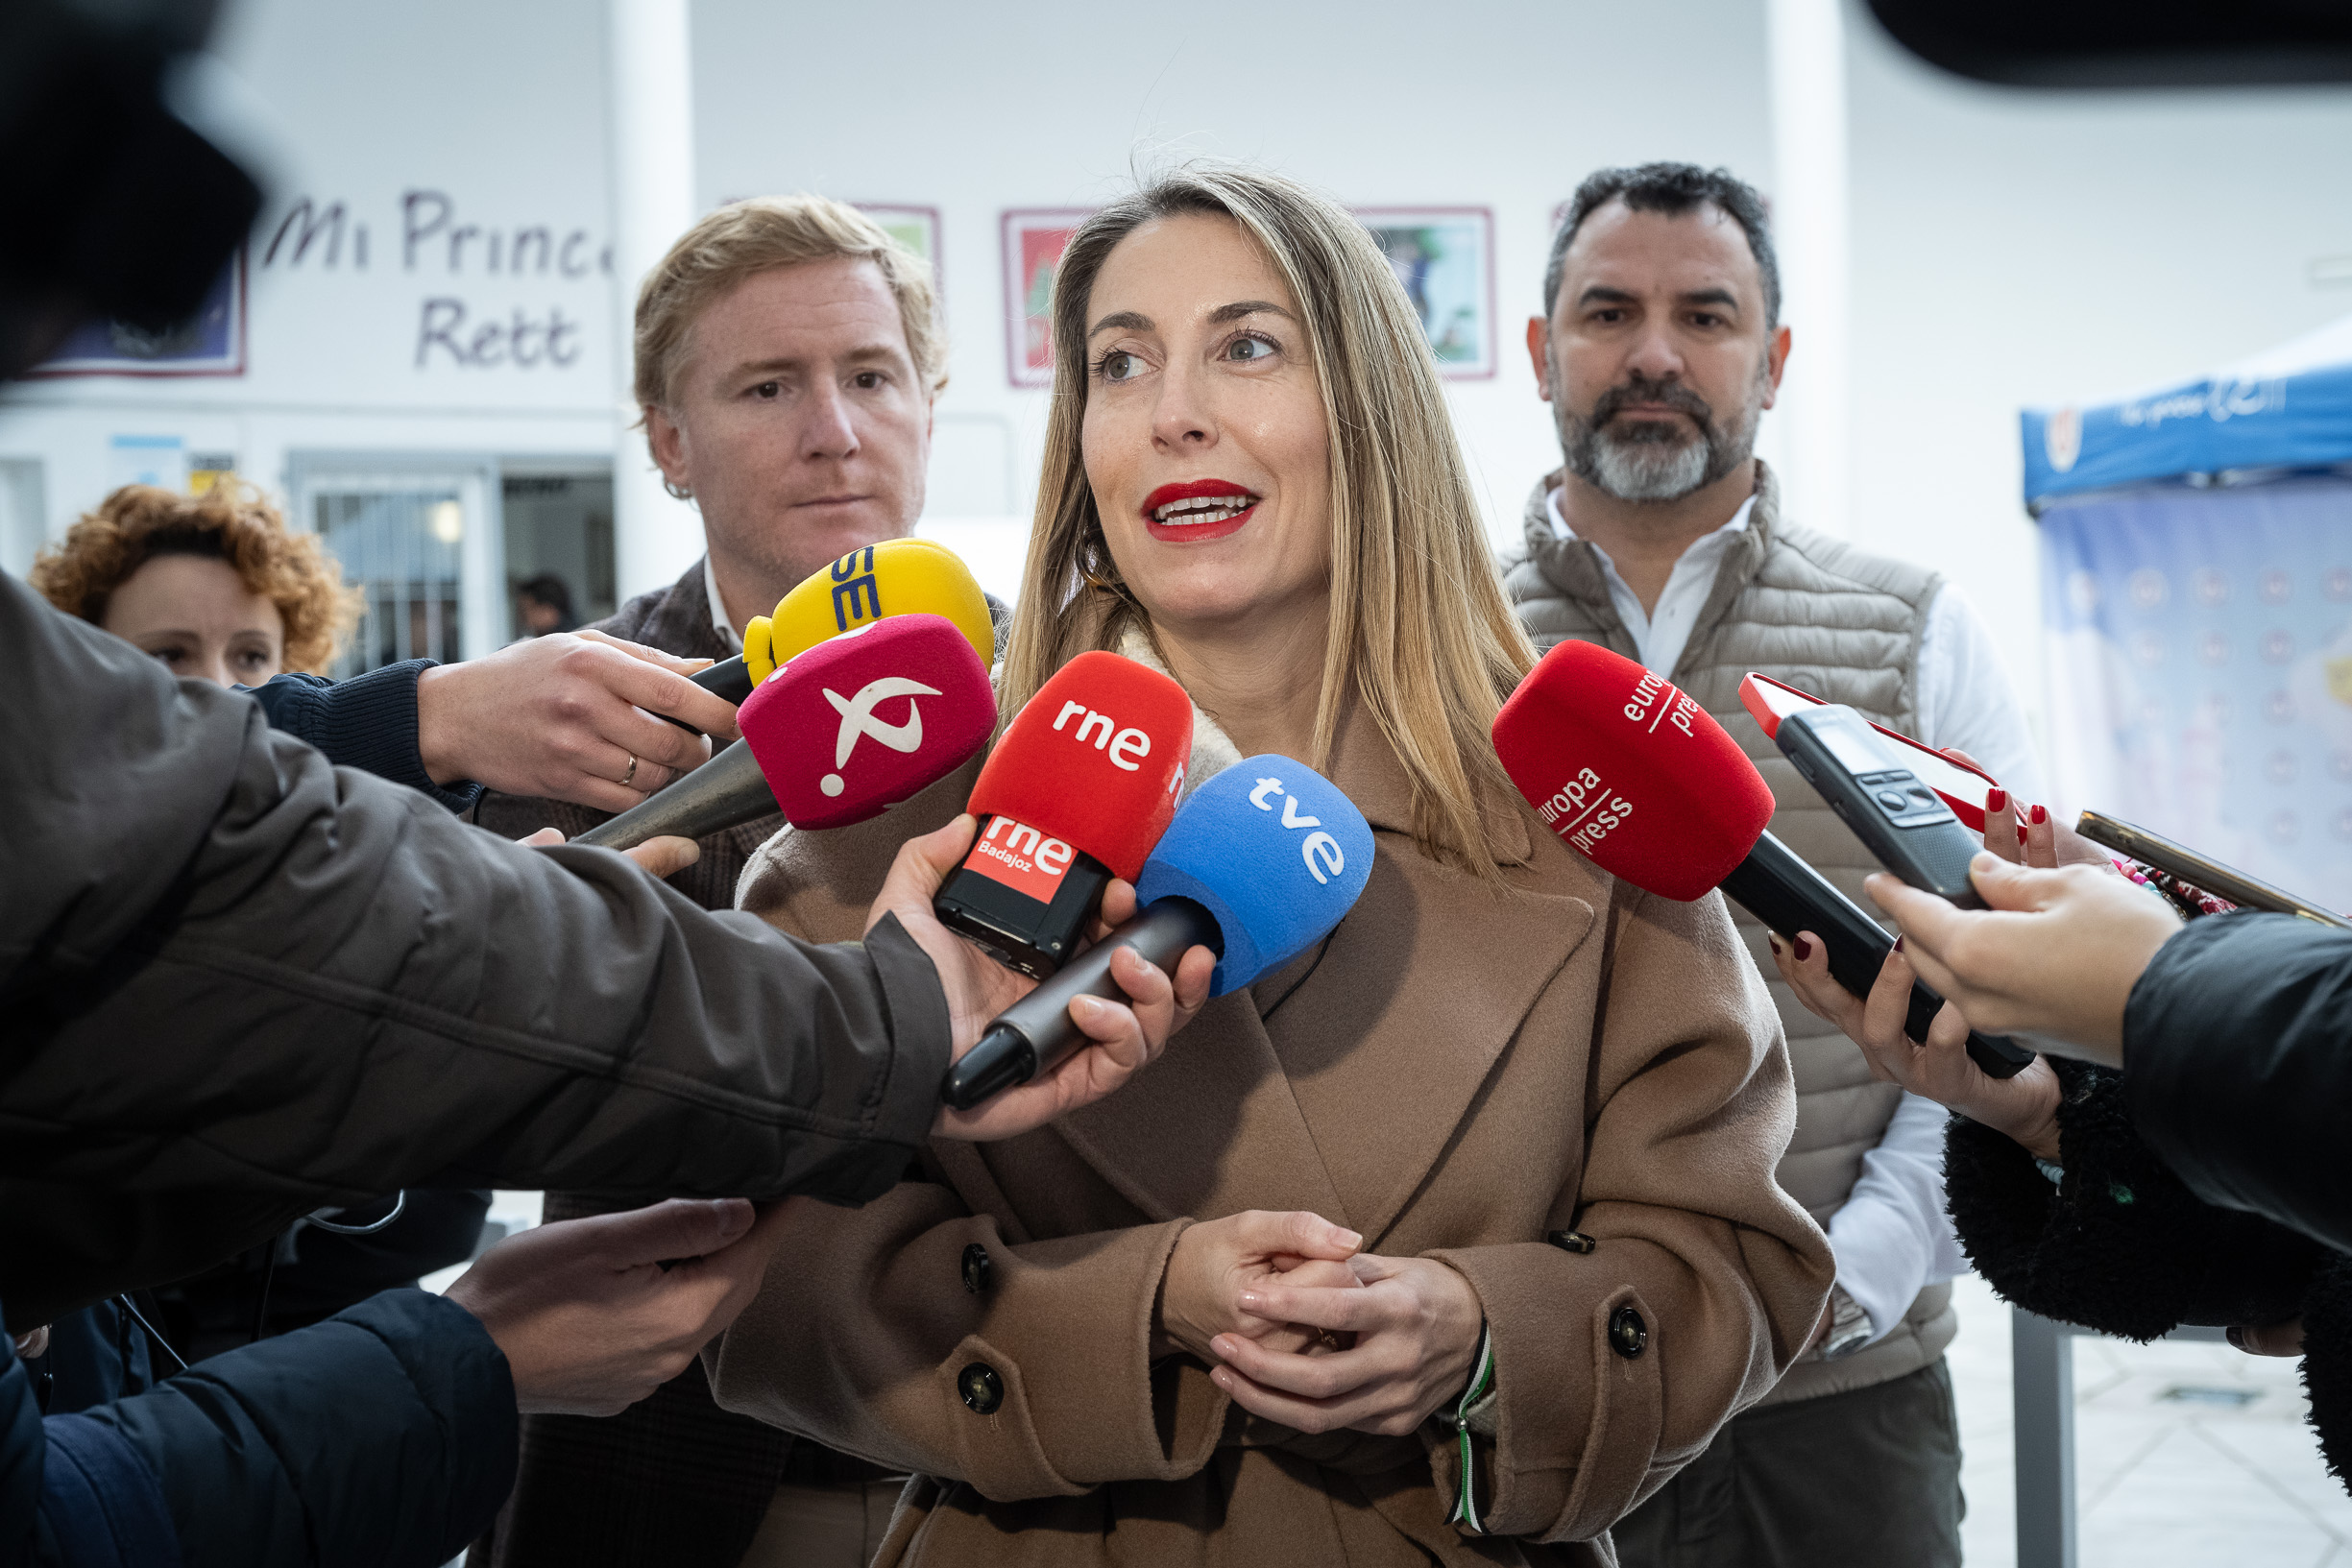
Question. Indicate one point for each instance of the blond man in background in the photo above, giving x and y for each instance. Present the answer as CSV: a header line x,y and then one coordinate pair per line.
x,y
786,358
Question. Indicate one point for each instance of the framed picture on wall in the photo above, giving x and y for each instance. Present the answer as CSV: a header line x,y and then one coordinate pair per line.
x,y
1034,239
916,228
209,343
1445,256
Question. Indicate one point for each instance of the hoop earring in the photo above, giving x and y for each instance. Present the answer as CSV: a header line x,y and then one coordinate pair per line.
x,y
1095,566
677,492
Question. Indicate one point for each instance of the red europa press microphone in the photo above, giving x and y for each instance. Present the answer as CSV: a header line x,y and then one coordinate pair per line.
x,y
842,733
1082,785
1646,783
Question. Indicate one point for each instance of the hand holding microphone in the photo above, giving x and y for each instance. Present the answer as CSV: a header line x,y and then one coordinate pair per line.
x,y
1259,865
1644,782
1124,1036
573,716
849,728
1933,1064
2055,952
1078,789
857,596
596,1313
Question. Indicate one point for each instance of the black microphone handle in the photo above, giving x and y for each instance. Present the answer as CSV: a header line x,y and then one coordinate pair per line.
x,y
725,792
729,678
1033,1035
1789,896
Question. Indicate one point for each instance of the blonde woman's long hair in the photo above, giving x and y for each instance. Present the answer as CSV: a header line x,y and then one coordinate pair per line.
x,y
1421,630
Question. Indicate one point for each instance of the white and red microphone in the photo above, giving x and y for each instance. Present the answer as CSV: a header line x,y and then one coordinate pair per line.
x,y
1643,781
840,734
1082,785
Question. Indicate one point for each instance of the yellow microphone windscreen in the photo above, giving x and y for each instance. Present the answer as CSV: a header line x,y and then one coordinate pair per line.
x,y
897,577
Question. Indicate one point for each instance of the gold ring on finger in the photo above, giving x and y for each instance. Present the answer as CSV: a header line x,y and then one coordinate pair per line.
x,y
629,776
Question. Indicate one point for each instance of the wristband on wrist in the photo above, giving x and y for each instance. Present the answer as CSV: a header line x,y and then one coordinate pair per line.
x,y
1849,1327
1475,1408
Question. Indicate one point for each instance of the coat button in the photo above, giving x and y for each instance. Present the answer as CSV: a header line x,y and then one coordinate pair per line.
x,y
982,1388
976,1266
1570,1240
1627,1334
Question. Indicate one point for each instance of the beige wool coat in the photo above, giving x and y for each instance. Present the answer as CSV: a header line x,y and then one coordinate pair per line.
x,y
1454,1073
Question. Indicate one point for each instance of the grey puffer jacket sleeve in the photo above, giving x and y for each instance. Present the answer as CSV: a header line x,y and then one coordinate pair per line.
x,y
235,980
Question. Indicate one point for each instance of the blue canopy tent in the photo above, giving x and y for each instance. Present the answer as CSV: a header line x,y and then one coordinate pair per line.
x,y
2196,594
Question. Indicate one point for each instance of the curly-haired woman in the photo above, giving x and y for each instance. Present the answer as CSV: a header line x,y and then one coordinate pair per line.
x,y
215,585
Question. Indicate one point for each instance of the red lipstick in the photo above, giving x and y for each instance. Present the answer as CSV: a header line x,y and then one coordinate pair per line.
x,y
1191,513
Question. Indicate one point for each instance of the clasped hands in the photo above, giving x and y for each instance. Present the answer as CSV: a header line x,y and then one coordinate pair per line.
x,y
1300,1326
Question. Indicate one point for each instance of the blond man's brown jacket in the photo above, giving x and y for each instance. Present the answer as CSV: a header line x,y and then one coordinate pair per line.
x,y
1457,1073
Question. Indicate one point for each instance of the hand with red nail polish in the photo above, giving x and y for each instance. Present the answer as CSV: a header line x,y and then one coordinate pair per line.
x,y
2043,840
1938,1067
2054,952
2004,835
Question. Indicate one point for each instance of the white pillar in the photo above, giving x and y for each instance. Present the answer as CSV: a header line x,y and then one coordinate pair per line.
x,y
651,69
1807,49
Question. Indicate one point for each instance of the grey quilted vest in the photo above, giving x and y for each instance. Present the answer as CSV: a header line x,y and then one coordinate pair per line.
x,y
1844,625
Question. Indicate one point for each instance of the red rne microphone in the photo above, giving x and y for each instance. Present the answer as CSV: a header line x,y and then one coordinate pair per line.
x,y
863,720
1642,780
1082,785
844,731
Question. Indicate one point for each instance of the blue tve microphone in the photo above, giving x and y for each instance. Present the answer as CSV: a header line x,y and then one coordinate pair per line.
x,y
1260,863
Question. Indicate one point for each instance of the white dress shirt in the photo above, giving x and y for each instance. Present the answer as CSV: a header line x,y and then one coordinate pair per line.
x,y
720,623
1893,1237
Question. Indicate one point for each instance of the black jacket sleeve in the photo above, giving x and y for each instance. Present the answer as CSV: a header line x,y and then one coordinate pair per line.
x,y
383,1437
232,975
368,722
2119,1245
2238,1046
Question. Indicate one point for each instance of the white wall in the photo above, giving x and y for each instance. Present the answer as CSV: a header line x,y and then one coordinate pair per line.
x,y
976,108
2015,249
500,109
496,111
2007,247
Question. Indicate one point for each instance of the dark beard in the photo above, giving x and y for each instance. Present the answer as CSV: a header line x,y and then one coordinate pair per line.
x,y
1651,459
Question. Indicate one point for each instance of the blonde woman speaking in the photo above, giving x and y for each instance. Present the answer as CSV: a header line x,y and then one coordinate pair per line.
x,y
1487,1175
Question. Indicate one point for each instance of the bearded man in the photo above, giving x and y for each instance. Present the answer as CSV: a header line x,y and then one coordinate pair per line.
x,y
1660,537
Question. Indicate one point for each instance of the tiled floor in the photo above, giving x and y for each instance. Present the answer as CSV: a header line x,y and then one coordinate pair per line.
x,y
2171,1470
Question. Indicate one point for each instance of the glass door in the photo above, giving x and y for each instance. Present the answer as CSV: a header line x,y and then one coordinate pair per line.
x,y
24,527
423,545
